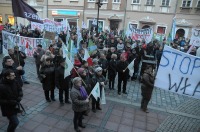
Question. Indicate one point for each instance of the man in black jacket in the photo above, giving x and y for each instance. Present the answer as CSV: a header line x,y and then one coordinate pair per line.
x,y
123,74
62,83
10,96
8,64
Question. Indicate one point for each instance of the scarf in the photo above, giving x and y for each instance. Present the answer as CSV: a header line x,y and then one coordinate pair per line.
x,y
83,92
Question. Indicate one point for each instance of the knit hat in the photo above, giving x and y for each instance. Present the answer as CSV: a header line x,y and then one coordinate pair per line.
x,y
81,70
95,60
98,69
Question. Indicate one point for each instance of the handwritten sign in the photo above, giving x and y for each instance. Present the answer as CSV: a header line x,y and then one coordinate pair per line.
x,y
49,35
195,38
179,72
141,34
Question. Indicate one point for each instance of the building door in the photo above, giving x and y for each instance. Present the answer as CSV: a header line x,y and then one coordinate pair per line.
x,y
114,25
180,33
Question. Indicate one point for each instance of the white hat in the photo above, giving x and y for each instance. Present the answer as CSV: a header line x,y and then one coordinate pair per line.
x,y
98,69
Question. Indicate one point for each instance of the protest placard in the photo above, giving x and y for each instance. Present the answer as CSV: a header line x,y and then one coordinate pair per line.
x,y
141,34
49,35
195,38
179,72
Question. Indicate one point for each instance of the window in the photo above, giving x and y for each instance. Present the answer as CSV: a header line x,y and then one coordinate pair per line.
x,y
134,25
1,20
165,2
116,1
104,1
136,1
161,30
149,2
92,27
186,3
91,0
198,3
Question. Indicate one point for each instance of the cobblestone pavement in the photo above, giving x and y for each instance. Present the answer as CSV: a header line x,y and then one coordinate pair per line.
x,y
121,113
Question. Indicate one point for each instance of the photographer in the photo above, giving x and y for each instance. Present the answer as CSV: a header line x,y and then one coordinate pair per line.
x,y
10,96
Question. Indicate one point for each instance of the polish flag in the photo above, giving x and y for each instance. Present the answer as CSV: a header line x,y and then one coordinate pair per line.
x,y
87,58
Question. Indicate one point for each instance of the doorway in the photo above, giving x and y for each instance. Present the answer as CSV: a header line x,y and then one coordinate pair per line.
x,y
114,24
180,33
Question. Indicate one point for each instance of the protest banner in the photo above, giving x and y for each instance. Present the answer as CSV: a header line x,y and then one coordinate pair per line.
x,y
179,73
26,44
195,38
140,34
49,25
49,35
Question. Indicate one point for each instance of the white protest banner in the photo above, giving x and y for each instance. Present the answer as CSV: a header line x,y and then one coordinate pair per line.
x,y
49,25
140,34
179,73
195,38
26,44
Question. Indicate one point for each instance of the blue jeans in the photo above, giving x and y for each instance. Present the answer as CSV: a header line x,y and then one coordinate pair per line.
x,y
13,123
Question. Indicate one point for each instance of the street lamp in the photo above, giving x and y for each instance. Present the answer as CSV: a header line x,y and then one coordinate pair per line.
x,y
99,4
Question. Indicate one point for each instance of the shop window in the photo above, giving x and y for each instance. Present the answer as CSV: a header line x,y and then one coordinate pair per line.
x,y
1,19
133,25
116,1
72,23
58,19
161,30
10,19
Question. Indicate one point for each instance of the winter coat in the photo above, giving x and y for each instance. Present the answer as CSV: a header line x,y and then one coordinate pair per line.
x,y
48,82
10,95
60,81
78,102
122,66
112,70
87,81
38,57
18,73
18,59
147,85
103,63
96,78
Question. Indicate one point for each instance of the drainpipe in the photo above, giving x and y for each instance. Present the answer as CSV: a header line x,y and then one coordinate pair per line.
x,y
125,9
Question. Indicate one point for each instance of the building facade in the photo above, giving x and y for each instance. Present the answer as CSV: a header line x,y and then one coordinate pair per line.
x,y
116,14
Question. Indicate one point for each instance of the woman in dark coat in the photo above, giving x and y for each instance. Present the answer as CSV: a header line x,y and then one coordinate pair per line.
x,y
147,87
47,77
80,102
98,77
112,71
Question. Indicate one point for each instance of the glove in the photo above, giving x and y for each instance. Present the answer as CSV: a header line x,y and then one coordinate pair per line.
x,y
12,102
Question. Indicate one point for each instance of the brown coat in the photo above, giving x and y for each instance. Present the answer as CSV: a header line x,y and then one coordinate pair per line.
x,y
147,85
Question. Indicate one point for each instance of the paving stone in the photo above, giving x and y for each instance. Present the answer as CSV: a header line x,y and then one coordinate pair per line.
x,y
124,128
50,121
114,118
95,121
112,126
42,128
126,121
139,124
30,125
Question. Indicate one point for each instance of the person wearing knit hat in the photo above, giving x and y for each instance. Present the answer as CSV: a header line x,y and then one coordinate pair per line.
x,y
98,77
80,102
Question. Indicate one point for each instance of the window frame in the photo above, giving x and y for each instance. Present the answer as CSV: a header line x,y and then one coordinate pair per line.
x,y
136,3
88,22
198,3
165,3
150,4
104,1
91,0
116,2
186,4
161,26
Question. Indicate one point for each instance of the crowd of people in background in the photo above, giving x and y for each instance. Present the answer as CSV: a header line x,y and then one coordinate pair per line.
x,y
109,62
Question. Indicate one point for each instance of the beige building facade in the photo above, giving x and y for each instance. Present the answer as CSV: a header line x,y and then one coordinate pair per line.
x,y
116,14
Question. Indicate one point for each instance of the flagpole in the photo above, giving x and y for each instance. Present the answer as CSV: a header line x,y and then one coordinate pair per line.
x,y
80,77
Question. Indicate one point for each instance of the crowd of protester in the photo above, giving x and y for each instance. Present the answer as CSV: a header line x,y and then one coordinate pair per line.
x,y
114,53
